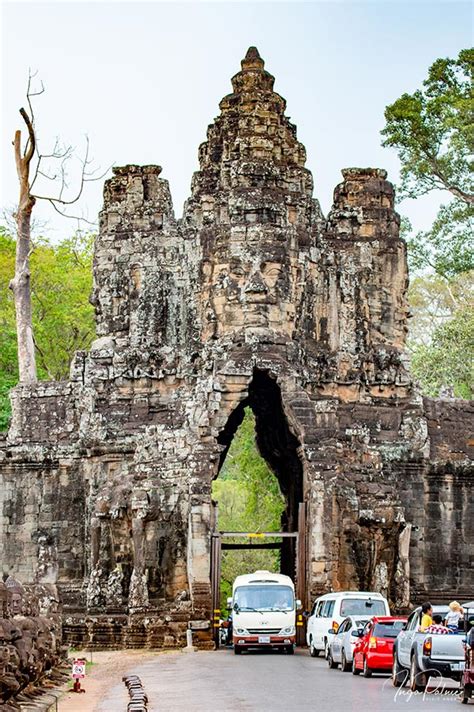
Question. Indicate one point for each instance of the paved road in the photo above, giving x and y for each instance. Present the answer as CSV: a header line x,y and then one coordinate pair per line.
x,y
266,682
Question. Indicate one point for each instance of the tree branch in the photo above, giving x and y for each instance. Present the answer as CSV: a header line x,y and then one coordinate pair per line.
x,y
453,189
31,145
17,149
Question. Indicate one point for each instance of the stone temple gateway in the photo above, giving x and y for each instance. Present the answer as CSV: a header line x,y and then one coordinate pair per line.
x,y
253,298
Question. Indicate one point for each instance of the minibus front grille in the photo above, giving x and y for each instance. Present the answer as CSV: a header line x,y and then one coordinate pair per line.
x,y
263,631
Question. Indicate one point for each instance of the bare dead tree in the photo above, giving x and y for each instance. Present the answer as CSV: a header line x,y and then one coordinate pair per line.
x,y
30,166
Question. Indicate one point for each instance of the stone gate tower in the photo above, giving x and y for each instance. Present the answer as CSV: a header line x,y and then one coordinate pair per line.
x,y
253,298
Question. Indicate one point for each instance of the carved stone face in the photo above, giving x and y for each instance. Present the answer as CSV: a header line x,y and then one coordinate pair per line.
x,y
140,503
102,505
246,291
16,602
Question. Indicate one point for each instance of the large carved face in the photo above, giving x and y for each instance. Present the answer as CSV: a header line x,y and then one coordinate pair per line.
x,y
140,503
248,290
16,602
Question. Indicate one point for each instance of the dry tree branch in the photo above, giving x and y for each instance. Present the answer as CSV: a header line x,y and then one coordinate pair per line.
x,y
80,218
17,149
31,143
30,94
56,153
86,177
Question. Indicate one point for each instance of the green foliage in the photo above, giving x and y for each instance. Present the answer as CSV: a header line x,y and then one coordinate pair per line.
x,y
435,300
249,500
446,365
448,248
442,333
63,320
433,130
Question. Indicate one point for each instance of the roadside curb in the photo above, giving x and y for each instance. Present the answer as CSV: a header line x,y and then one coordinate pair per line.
x,y
138,697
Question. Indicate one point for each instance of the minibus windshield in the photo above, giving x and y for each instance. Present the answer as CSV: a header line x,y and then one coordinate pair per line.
x,y
264,598
362,606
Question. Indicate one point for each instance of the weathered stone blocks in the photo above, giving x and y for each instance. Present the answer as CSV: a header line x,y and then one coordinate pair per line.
x,y
253,298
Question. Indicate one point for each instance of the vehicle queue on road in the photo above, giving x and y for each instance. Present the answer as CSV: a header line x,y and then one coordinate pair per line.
x,y
356,632
433,642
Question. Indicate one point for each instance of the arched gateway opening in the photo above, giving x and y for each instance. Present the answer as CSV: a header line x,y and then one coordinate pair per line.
x,y
279,448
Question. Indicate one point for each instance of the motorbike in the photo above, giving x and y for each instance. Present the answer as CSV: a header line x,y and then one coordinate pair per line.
x,y
225,632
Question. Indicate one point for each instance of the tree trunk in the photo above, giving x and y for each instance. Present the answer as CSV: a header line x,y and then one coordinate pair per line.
x,y
20,284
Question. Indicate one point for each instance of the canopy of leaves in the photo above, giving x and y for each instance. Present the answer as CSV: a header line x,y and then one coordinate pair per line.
x,y
249,500
448,248
63,319
434,301
446,365
433,130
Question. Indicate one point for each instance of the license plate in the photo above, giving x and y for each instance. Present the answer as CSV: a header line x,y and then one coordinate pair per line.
x,y
457,666
263,638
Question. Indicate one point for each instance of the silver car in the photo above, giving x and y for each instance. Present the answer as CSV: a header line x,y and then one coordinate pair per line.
x,y
341,644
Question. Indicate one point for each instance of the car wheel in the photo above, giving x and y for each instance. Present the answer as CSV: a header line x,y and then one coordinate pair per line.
x,y
312,650
367,672
330,660
237,649
355,671
417,678
290,650
399,674
345,666
326,648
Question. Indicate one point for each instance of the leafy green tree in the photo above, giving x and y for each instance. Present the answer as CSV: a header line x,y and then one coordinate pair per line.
x,y
448,248
249,499
63,319
446,365
432,131
435,300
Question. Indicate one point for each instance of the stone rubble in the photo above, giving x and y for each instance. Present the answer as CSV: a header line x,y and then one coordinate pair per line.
x,y
31,654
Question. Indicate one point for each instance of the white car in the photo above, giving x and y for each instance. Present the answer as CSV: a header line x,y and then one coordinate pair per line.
x,y
341,644
331,609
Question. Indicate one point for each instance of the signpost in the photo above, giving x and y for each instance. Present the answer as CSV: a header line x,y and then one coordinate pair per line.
x,y
78,673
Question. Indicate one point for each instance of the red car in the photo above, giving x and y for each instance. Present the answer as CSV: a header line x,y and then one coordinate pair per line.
x,y
373,652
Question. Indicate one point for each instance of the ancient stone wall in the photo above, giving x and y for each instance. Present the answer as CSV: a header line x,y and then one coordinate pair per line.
x,y
253,298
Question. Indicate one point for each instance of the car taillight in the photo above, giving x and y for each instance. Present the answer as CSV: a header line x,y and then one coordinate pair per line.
x,y
372,642
427,646
335,626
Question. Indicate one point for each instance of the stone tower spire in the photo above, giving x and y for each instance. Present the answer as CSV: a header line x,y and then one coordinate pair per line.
x,y
253,75
252,210
251,148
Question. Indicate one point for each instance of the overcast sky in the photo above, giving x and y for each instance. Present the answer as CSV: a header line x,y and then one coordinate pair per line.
x,y
143,80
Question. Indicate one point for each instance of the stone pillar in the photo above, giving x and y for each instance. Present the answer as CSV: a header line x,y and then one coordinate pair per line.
x,y
136,232
363,228
199,557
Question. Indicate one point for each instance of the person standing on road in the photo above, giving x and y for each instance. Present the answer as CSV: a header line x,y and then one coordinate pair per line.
x,y
426,616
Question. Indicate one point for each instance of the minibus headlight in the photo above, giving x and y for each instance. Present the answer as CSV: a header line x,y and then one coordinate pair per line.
x,y
242,631
288,631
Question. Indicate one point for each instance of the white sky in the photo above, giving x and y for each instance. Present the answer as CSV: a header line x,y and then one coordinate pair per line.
x,y
144,80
